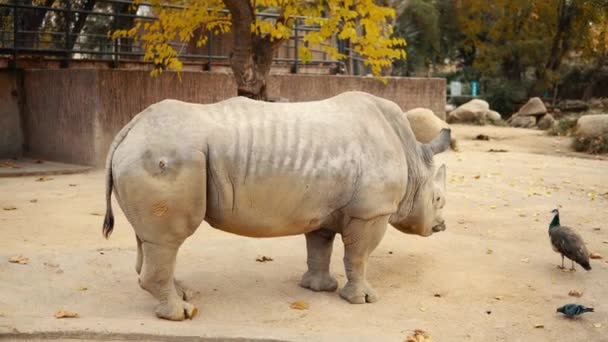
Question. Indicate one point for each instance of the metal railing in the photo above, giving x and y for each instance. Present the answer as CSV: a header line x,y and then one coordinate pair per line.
x,y
62,36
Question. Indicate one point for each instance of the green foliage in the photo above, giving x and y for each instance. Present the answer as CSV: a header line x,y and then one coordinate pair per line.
x,y
506,96
419,25
564,126
594,145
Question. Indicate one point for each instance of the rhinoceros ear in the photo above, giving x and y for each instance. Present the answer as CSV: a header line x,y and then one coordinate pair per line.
x,y
442,141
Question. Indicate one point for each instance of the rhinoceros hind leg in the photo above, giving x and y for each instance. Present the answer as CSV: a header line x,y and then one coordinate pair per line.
x,y
157,278
360,238
319,244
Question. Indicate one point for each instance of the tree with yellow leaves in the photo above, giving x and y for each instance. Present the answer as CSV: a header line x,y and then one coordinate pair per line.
x,y
364,23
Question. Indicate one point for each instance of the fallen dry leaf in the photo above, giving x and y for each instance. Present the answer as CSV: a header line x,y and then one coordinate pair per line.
x,y
522,215
539,326
51,264
498,297
489,251
595,255
419,336
299,305
477,177
82,288
34,201
19,259
438,295
9,165
65,314
605,241
597,325
96,214
73,184
492,206
44,179
10,207
422,308
263,258
575,293
525,260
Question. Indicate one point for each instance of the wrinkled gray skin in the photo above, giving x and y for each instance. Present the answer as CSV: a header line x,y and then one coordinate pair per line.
x,y
349,165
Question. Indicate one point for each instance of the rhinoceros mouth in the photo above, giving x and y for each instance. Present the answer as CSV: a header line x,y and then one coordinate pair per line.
x,y
439,228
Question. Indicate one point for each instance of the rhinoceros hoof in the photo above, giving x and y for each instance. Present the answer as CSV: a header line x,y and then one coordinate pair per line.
x,y
177,311
319,281
358,293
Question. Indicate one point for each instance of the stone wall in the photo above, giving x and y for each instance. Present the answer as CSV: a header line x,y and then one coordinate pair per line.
x,y
72,115
11,133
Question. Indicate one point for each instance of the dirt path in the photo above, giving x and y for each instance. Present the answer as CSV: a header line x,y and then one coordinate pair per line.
x,y
490,277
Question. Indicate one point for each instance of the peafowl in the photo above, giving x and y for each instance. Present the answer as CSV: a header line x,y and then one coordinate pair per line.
x,y
568,243
572,310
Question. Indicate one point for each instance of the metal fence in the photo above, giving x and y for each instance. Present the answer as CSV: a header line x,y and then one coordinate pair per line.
x,y
70,30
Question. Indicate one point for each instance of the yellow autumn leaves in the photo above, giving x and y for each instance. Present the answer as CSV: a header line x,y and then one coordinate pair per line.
x,y
364,23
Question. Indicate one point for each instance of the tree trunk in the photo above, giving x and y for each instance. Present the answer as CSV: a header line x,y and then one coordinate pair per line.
x,y
559,46
251,56
30,20
79,24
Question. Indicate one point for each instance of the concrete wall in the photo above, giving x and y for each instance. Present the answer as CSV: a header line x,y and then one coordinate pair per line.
x,y
11,134
72,115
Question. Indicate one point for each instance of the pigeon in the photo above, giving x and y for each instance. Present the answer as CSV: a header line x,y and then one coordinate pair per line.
x,y
572,310
568,243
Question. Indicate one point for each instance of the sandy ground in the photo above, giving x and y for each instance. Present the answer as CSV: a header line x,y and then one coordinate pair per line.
x,y
490,277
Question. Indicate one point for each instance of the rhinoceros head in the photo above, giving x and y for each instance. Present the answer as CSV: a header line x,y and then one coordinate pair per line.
x,y
425,215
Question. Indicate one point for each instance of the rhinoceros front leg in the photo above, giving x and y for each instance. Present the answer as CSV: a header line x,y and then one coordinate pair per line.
x,y
360,238
319,245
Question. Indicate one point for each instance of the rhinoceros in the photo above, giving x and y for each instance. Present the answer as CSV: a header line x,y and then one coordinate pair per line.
x,y
348,164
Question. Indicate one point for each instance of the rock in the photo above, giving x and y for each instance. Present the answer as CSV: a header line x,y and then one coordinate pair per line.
x,y
449,108
592,125
425,124
573,106
523,121
534,106
472,111
493,116
546,122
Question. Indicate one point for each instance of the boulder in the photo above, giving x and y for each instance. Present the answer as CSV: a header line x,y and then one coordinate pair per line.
x,y
534,106
470,112
425,124
590,126
449,108
523,121
493,116
546,122
573,106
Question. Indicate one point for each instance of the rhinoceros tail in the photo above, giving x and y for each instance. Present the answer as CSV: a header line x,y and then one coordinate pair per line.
x,y
108,221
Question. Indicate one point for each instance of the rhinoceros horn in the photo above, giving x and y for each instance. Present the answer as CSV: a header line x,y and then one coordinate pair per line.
x,y
441,141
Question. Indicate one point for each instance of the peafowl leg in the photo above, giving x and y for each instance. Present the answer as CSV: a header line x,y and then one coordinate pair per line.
x,y
562,267
572,269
